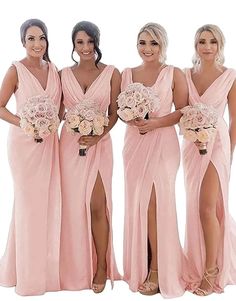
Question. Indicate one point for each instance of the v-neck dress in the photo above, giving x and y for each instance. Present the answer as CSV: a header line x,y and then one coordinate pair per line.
x,y
78,256
152,159
195,166
31,259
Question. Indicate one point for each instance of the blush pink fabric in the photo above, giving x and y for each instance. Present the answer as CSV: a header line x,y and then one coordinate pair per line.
x,y
31,259
152,159
78,256
195,166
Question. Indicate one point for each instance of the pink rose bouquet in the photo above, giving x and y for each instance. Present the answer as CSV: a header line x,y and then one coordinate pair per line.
x,y
87,119
39,117
136,102
198,124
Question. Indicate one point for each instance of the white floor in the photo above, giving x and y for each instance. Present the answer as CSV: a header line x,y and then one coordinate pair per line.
x,y
119,292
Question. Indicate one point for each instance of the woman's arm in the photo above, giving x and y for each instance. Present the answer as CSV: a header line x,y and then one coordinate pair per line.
x,y
180,98
62,106
9,86
232,117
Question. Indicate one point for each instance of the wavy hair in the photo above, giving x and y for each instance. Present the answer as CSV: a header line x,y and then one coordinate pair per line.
x,y
218,35
93,31
159,34
35,22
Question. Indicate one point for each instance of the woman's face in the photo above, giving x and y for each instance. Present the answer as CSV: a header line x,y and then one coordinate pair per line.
x,y
207,46
84,45
35,42
148,48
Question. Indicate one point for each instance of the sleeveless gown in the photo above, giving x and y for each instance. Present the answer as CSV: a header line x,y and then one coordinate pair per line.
x,y
195,166
152,159
78,256
31,259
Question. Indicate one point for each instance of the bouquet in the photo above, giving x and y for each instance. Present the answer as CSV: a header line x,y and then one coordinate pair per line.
x,y
137,101
87,119
39,117
198,124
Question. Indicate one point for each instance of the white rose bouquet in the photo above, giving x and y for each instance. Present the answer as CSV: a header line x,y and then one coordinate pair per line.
x,y
136,102
39,117
87,119
198,124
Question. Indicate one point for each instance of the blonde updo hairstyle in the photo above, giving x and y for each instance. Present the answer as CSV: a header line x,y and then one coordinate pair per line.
x,y
218,35
158,34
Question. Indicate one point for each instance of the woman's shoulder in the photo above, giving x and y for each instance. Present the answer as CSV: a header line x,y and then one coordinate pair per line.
x,y
231,70
131,70
102,66
66,69
136,68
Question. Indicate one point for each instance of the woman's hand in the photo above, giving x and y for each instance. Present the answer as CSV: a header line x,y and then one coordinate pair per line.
x,y
146,125
89,141
199,144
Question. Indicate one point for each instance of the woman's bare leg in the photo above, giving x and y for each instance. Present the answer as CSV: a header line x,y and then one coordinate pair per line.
x,y
100,229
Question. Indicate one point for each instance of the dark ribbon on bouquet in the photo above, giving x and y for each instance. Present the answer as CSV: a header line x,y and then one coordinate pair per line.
x,y
145,117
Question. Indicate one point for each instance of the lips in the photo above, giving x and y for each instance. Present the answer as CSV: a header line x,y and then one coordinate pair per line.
x,y
147,54
37,50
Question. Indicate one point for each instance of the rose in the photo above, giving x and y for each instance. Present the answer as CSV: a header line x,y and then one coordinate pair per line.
x,y
130,102
98,130
98,121
41,107
39,114
31,112
121,101
125,114
42,123
85,127
89,115
29,129
142,110
24,123
43,133
138,97
73,120
190,135
203,136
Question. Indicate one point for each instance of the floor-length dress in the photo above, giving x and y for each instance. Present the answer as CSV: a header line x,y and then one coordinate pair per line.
x,y
31,259
78,256
195,166
152,159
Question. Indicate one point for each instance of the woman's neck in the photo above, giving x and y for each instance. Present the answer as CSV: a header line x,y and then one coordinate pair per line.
x,y
34,62
207,66
152,65
87,65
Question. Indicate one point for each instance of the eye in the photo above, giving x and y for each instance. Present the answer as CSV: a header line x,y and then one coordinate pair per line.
x,y
142,43
154,43
79,42
201,42
91,41
30,39
43,38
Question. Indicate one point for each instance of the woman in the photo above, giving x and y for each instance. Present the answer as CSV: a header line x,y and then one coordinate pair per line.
x,y
31,259
210,242
87,257
153,256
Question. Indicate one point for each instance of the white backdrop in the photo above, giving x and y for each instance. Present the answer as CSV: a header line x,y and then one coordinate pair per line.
x,y
119,22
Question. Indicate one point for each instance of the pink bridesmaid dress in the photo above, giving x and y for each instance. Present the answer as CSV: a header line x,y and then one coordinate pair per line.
x,y
195,166
31,259
152,159
78,256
